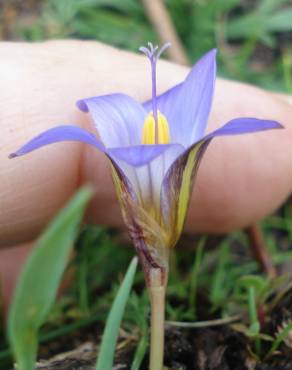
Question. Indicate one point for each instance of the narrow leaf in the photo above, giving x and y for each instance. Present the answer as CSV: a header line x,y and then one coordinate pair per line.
x,y
110,335
280,338
140,352
280,21
38,283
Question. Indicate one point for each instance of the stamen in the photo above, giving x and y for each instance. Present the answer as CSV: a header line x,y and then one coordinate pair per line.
x,y
153,54
151,129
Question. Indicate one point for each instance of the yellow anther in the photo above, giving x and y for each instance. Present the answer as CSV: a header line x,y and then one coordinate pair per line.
x,y
150,131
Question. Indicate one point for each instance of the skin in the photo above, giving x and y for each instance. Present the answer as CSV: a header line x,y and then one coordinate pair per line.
x,y
241,179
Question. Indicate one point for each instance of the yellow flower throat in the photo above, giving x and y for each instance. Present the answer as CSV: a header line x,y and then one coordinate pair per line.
x,y
155,132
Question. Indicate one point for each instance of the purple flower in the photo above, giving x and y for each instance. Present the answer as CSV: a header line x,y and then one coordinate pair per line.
x,y
155,150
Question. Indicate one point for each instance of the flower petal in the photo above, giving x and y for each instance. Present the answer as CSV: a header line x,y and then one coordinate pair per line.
x,y
177,188
139,155
145,232
245,125
118,118
57,134
138,190
178,181
165,100
187,105
146,179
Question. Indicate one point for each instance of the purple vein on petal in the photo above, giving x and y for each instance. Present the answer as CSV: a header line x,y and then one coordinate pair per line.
x,y
58,134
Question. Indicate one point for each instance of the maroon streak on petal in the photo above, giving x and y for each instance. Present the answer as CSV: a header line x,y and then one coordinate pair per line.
x,y
144,231
177,188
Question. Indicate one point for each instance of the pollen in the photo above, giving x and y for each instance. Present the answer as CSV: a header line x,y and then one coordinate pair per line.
x,y
155,132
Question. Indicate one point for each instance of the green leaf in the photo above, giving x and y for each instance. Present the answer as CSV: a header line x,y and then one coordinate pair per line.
x,y
131,7
256,281
140,352
113,28
261,23
269,6
195,273
107,350
280,21
280,338
217,291
250,25
39,280
254,329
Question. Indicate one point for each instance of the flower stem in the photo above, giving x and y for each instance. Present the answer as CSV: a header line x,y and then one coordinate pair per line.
x,y
157,288
260,251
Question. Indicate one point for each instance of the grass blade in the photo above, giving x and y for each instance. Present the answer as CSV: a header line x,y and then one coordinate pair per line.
x,y
195,275
39,280
279,339
107,350
140,352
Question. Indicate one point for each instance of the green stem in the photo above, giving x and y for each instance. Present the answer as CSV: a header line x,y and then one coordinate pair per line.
x,y
252,305
157,289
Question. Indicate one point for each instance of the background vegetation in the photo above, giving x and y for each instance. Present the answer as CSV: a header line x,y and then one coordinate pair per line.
x,y
254,38
253,33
